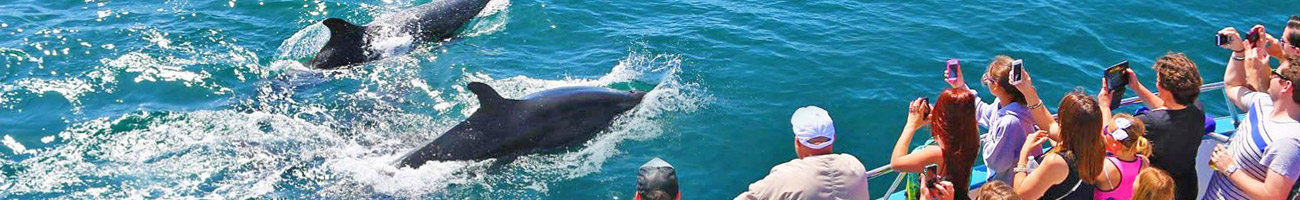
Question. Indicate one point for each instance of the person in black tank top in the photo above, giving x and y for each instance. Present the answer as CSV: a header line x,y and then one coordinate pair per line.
x,y
1079,151
1072,187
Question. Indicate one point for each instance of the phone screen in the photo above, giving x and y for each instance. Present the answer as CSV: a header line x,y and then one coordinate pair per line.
x,y
1222,40
1017,71
931,175
953,67
1115,78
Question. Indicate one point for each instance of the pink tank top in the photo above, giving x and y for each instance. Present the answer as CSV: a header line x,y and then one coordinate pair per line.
x,y
1128,172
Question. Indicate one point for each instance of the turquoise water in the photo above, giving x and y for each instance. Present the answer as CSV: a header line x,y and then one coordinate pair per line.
x,y
209,99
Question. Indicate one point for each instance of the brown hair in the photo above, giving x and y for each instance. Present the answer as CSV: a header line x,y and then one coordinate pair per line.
x,y
1294,25
1180,76
1080,121
1293,73
953,121
998,69
1153,184
1136,142
996,190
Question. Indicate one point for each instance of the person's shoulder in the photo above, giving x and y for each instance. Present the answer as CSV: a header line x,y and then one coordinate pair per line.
x,y
1053,159
846,159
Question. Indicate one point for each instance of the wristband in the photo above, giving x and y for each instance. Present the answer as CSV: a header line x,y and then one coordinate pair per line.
x,y
1238,58
1020,170
1036,106
1232,169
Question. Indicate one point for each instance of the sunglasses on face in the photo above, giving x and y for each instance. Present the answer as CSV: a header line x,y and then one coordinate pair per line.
x,y
1279,76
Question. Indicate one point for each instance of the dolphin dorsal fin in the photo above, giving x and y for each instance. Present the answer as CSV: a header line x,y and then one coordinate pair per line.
x,y
341,27
487,97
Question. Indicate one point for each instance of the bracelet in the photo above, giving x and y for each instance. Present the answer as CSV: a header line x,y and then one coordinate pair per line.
x,y
1020,170
1036,106
1239,58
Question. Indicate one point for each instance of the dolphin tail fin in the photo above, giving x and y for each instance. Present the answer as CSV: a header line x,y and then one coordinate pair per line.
x,y
487,96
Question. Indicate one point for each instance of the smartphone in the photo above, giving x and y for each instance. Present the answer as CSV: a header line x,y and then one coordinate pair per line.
x,y
1222,40
1017,71
1253,36
954,66
925,101
931,176
1116,79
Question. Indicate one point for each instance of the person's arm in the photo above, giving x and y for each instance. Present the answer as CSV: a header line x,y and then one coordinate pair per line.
x,y
900,160
1257,69
984,112
1274,47
1149,98
1234,77
1274,185
1041,116
1053,170
1103,97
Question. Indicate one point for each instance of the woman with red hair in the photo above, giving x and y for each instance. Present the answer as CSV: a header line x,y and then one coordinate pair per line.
x,y
953,128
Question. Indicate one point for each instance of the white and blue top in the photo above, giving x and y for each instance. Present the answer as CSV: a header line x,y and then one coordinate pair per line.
x,y
1260,145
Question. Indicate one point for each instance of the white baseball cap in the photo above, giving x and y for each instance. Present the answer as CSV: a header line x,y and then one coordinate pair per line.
x,y
811,122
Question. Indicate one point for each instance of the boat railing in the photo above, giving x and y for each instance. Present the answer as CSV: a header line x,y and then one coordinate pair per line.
x,y
1126,102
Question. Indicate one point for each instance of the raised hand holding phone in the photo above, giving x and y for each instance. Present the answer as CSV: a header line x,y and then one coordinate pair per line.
x,y
1233,38
1020,78
1115,78
952,73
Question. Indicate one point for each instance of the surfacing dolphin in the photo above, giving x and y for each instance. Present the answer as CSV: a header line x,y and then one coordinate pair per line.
x,y
540,121
351,44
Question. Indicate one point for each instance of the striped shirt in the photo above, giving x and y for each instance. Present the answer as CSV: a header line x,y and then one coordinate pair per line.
x,y
1259,146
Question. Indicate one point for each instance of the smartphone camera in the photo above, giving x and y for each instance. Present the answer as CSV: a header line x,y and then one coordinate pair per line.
x,y
1017,71
1222,40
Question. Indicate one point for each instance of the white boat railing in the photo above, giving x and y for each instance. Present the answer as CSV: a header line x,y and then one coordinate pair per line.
x,y
1131,101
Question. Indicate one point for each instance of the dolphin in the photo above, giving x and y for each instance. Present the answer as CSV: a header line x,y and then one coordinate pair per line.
x,y
352,44
546,120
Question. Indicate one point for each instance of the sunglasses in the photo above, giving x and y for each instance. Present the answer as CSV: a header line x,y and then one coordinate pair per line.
x,y
1279,76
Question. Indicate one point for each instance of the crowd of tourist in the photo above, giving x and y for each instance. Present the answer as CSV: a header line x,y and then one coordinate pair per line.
x,y
1092,153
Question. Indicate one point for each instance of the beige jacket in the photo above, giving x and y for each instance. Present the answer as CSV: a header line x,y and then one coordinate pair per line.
x,y
831,176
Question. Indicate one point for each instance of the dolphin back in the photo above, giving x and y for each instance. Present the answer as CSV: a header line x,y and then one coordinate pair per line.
x,y
439,19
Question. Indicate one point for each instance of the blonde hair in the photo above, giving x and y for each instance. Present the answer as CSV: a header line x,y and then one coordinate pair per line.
x,y
996,190
1153,183
1136,143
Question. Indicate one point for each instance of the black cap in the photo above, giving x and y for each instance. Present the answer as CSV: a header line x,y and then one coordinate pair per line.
x,y
656,180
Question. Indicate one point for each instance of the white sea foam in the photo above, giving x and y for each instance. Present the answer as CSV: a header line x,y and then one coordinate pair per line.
x,y
14,145
304,43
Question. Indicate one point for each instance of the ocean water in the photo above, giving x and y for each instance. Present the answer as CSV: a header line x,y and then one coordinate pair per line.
x,y
210,99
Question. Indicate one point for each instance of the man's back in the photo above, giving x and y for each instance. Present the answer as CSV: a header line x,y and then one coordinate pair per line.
x,y
831,176
1175,136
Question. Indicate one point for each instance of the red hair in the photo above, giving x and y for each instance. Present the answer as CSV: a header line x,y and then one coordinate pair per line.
x,y
953,122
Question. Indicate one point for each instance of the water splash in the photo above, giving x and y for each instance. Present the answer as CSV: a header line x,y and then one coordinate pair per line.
x,y
529,175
